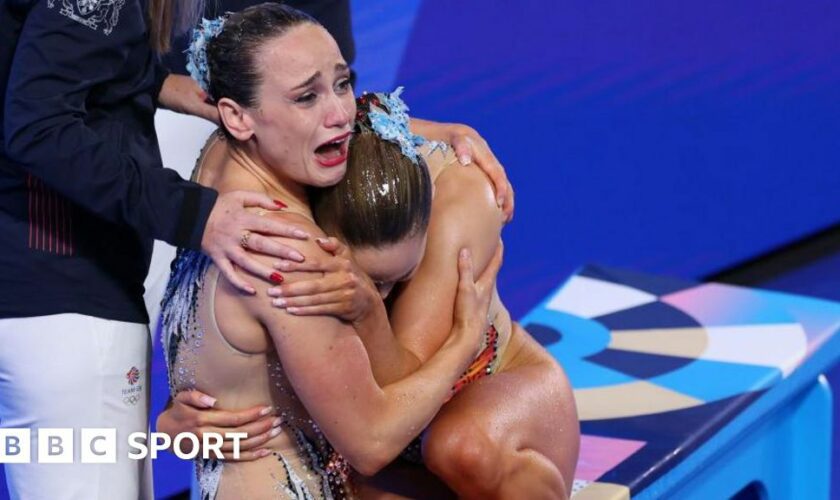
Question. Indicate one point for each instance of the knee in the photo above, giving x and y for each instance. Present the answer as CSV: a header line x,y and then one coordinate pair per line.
x,y
464,454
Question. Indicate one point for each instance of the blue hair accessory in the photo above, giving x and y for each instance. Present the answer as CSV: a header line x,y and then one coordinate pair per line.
x,y
197,51
387,115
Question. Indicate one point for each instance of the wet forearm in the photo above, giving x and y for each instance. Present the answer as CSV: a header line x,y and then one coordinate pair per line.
x,y
390,360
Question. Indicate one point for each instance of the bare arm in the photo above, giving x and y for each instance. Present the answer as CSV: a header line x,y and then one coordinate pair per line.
x,y
390,360
463,216
182,94
330,371
347,293
192,411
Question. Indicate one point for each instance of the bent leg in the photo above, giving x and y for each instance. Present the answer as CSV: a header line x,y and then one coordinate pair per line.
x,y
513,434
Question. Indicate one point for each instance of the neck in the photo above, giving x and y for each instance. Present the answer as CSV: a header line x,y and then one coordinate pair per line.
x,y
277,186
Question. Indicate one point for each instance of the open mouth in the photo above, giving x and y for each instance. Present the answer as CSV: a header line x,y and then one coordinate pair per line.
x,y
333,152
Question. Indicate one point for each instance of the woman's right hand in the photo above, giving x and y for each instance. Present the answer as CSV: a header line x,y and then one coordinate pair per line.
x,y
231,229
344,290
472,302
192,412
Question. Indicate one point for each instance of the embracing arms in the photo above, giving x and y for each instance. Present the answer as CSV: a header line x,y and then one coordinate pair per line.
x,y
464,214
328,366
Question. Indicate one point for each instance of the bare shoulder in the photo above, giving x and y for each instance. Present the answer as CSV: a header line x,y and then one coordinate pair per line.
x,y
464,197
290,333
464,214
466,187
211,160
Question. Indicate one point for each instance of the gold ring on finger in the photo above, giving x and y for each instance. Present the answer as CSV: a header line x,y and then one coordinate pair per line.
x,y
244,239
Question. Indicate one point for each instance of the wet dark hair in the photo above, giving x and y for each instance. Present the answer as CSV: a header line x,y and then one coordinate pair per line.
x,y
231,54
383,199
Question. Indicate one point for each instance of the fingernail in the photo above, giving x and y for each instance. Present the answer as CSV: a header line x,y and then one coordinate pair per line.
x,y
279,302
207,400
280,204
500,201
291,310
265,411
321,240
296,256
250,290
299,233
465,253
262,453
464,160
275,431
276,277
277,421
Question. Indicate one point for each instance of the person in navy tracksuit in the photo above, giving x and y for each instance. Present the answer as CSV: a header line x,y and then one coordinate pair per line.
x,y
83,194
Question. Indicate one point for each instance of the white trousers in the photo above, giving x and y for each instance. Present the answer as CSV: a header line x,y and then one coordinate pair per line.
x,y
76,371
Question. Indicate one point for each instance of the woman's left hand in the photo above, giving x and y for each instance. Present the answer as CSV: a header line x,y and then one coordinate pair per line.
x,y
344,291
470,147
182,94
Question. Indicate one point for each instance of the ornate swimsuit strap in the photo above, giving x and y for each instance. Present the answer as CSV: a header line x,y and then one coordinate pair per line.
x,y
484,363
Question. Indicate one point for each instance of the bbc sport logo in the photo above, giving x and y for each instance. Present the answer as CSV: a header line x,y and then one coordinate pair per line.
x,y
99,445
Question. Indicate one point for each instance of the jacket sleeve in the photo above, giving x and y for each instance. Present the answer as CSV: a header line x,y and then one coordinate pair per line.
x,y
160,72
58,65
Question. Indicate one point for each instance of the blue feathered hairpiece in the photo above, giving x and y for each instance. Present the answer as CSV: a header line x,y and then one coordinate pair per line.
x,y
197,51
387,115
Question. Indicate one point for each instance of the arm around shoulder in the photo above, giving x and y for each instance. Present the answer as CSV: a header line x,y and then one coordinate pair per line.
x,y
330,371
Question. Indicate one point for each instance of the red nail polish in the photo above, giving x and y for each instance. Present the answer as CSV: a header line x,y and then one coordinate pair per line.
x,y
276,277
280,204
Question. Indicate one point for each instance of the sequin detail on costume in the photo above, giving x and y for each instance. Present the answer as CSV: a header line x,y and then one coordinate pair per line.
x,y
484,364
180,332
208,472
321,473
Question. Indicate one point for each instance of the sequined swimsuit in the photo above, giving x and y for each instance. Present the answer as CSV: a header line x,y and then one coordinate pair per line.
x,y
303,465
486,363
